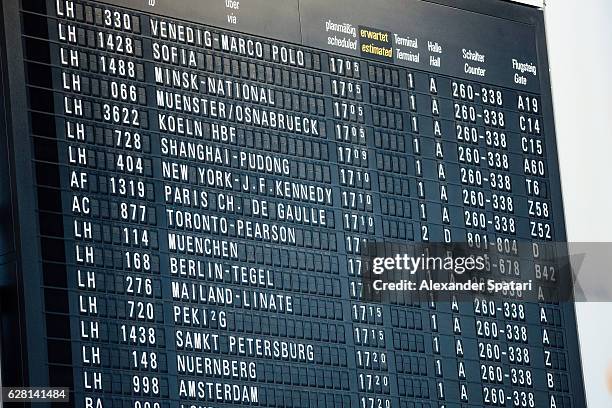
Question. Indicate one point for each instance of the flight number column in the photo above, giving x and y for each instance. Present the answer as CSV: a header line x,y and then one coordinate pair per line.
x,y
105,131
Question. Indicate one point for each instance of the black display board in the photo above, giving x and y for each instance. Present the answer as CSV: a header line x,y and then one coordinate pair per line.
x,y
188,188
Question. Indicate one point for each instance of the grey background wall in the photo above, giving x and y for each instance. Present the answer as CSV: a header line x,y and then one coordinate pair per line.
x,y
580,52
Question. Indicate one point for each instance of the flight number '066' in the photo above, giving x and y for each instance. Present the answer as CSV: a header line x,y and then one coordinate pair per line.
x,y
124,92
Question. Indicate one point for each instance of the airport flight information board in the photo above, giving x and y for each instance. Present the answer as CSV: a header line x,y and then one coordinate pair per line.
x,y
189,187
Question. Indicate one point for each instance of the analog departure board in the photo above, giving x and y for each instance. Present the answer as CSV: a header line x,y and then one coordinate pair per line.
x,y
191,189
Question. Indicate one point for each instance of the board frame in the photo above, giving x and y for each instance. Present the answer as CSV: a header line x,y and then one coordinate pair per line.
x,y
22,332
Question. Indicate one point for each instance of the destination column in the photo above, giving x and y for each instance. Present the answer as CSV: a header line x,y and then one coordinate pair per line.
x,y
248,204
